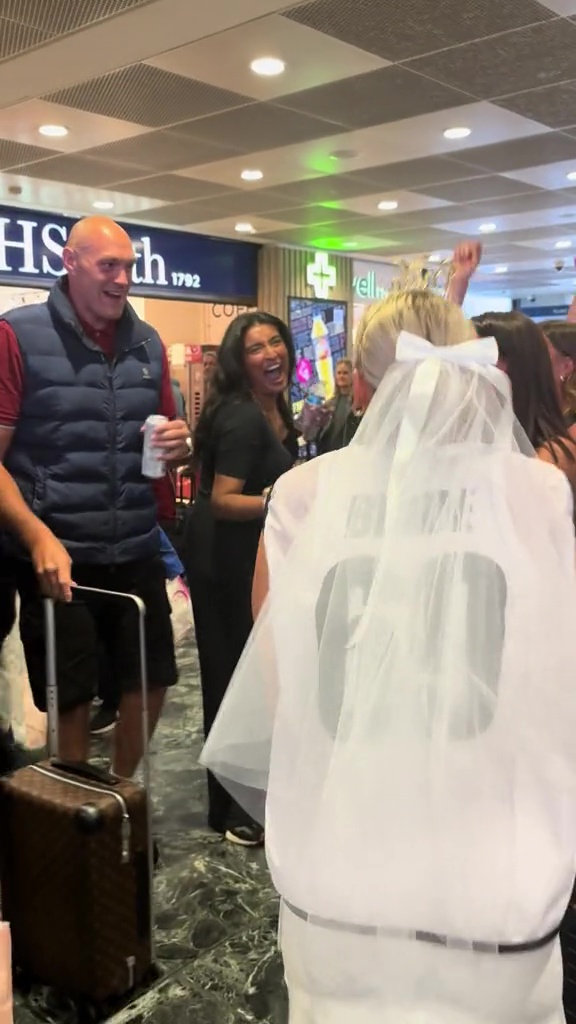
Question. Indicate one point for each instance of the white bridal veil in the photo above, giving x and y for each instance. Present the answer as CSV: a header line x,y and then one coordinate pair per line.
x,y
404,714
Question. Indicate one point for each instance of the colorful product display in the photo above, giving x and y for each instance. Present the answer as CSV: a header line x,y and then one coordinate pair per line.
x,y
319,330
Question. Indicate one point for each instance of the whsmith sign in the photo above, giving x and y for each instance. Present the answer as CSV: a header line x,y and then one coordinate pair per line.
x,y
171,264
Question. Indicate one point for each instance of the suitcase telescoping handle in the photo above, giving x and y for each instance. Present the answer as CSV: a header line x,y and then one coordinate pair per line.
x,y
52,704
52,682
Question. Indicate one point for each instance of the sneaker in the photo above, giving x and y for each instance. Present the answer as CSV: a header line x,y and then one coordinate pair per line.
x,y
103,720
245,835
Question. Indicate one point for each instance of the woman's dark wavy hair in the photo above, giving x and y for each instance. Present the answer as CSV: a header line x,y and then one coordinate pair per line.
x,y
230,379
522,347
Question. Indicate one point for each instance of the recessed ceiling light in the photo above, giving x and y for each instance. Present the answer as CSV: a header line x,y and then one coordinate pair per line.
x,y
457,133
388,204
435,257
53,131
571,176
501,270
564,243
252,175
245,229
487,228
268,66
103,204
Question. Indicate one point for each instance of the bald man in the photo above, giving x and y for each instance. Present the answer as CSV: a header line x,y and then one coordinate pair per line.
x,y
79,375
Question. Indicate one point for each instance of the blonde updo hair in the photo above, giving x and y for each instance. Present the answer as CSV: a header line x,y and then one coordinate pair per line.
x,y
420,312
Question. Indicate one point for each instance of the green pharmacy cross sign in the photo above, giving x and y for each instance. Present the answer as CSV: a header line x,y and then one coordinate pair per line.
x,y
321,276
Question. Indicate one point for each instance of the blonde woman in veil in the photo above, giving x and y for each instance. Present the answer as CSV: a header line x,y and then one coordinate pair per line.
x,y
403,716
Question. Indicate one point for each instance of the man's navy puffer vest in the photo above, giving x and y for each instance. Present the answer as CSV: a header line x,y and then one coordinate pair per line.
x,y
77,449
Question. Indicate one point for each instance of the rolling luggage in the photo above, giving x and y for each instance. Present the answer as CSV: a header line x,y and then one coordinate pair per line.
x,y
76,863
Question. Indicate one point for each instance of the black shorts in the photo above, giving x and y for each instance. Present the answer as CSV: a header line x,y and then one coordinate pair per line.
x,y
93,623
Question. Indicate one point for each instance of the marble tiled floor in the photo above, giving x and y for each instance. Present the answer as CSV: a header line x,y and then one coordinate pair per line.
x,y
216,912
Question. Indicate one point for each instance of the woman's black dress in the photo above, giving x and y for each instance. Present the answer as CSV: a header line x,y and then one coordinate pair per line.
x,y
219,557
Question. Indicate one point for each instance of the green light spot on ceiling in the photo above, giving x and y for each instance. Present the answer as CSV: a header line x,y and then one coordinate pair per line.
x,y
328,243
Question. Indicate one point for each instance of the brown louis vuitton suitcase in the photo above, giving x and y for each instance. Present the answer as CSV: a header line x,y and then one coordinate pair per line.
x,y
76,865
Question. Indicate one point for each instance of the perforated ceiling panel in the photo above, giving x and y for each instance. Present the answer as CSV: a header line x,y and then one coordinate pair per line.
x,y
147,95
16,38
171,188
159,151
28,23
165,123
60,16
12,154
399,30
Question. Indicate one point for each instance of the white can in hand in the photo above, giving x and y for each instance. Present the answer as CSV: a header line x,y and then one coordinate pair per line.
x,y
152,466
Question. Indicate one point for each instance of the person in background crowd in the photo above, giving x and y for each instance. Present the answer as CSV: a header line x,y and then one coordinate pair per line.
x,y
561,338
342,422
404,714
179,403
209,363
244,441
525,358
79,375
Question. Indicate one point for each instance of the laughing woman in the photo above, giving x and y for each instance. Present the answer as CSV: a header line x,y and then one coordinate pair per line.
x,y
244,441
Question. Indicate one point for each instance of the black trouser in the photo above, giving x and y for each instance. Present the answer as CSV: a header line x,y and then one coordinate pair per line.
x,y
109,687
223,622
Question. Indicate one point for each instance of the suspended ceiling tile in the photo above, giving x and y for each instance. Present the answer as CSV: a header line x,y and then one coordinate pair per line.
x,y
376,98
261,126
309,216
430,170
324,189
78,170
488,187
510,63
311,58
162,150
12,154
147,96
54,196
533,151
242,204
21,123
16,38
234,203
487,209
170,188
225,227
398,31
60,16
563,7
548,244
548,176
529,221
322,238
553,105
182,214
408,202
391,144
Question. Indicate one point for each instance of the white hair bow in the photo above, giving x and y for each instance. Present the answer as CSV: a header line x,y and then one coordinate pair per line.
x,y
479,352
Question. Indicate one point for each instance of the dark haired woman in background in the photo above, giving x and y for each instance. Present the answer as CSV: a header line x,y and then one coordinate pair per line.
x,y
524,356
561,338
245,439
